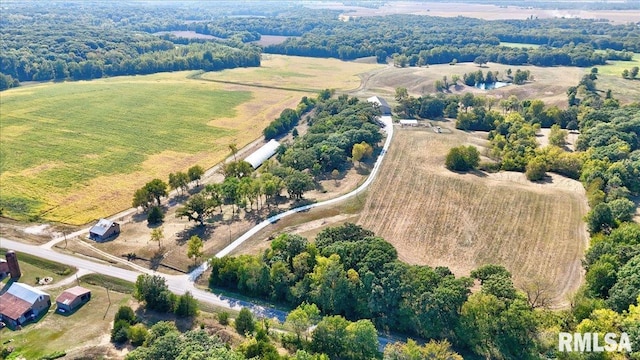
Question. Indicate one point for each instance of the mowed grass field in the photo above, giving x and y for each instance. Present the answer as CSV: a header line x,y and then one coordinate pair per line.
x,y
441,218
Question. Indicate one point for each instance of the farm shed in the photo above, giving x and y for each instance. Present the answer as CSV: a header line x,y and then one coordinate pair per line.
x,y
22,303
261,155
72,298
384,106
409,122
104,230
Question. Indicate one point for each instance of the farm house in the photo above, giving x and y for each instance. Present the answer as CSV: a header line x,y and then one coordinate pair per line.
x,y
71,299
103,230
382,103
261,155
22,303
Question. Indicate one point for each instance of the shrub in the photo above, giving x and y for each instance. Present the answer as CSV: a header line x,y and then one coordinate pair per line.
x,y
244,322
223,318
137,334
125,313
155,215
536,169
462,158
120,332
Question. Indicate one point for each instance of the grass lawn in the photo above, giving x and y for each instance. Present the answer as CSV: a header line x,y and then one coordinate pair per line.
x,y
73,152
54,332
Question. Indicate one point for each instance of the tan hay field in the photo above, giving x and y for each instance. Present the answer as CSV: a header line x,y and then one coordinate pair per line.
x,y
440,218
304,73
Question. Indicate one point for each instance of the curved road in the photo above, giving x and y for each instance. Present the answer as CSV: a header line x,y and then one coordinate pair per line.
x,y
180,284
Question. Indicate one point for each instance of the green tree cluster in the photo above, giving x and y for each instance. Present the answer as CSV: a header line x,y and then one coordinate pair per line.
x,y
154,292
462,158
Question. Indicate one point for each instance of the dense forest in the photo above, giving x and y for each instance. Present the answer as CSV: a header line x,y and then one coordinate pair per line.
x,y
79,40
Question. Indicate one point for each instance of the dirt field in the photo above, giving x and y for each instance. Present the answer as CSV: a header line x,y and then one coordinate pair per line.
x,y
465,220
488,12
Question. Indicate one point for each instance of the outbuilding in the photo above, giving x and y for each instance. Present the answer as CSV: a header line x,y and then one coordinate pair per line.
x,y
22,303
382,104
104,230
261,155
71,299
408,122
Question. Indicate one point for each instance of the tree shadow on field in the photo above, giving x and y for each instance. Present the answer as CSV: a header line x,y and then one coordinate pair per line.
x,y
203,232
474,172
545,180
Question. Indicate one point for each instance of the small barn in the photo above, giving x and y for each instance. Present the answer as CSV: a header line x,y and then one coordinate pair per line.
x,y
261,155
104,230
22,303
71,299
382,103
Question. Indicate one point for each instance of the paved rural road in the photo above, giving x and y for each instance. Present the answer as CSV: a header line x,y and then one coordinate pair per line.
x,y
178,284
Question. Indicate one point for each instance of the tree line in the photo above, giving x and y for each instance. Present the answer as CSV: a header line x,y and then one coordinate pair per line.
x,y
350,272
56,43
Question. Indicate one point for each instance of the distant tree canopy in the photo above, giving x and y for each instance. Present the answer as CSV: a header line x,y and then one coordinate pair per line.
x,y
82,42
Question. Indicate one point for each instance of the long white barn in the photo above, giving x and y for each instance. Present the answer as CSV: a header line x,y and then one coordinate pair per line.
x,y
261,155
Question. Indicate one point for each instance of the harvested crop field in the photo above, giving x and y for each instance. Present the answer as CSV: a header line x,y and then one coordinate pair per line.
x,y
440,218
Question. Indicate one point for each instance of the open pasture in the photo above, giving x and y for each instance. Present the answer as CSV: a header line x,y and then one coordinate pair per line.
x,y
441,218
74,152
549,84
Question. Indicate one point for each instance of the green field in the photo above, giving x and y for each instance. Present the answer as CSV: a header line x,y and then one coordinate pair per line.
x,y
615,68
65,147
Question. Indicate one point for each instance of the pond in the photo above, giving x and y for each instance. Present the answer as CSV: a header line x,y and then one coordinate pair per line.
x,y
491,86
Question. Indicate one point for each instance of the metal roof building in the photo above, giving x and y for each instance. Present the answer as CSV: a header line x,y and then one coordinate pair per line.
x,y
22,303
72,298
104,229
261,155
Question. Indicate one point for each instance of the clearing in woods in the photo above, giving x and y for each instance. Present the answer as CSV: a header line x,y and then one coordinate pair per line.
x,y
440,218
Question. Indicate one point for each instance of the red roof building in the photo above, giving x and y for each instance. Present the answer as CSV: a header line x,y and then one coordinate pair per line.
x,y
72,298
